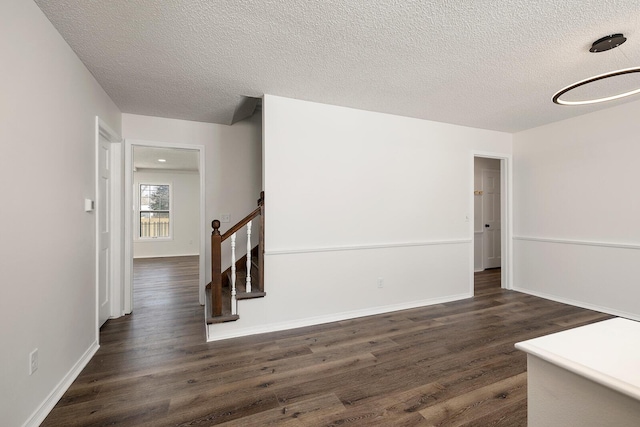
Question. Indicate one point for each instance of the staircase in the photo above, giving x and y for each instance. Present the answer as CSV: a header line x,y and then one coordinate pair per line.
x,y
245,278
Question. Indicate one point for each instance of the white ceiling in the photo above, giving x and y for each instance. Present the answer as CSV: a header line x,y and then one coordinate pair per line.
x,y
175,159
483,63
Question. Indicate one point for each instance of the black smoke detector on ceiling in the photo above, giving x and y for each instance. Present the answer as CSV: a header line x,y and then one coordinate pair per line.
x,y
607,43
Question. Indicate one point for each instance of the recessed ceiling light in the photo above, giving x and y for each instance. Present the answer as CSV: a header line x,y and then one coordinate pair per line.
x,y
600,45
162,160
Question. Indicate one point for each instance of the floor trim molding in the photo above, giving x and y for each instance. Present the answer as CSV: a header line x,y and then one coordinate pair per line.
x,y
312,321
47,405
580,304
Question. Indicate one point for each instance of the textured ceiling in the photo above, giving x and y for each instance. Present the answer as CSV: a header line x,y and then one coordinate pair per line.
x,y
484,63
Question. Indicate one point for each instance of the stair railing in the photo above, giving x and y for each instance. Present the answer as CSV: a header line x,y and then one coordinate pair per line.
x,y
216,258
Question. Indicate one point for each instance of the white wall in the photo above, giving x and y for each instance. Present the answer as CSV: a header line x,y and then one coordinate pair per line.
x,y
185,215
576,210
352,196
48,105
480,164
233,163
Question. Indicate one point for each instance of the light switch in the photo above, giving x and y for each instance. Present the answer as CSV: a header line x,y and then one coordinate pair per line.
x,y
88,205
225,217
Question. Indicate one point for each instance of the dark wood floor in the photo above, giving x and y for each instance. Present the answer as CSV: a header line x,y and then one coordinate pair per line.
x,y
446,365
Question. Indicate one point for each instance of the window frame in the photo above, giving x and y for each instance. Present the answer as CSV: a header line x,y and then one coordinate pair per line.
x,y
139,212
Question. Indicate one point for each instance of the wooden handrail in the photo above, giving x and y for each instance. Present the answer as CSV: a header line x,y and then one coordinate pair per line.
x,y
244,221
216,254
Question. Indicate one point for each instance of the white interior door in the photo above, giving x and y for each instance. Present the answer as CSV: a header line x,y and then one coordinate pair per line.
x,y
491,218
104,232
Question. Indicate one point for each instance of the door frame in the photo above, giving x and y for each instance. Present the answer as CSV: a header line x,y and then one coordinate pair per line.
x,y
129,194
115,265
506,216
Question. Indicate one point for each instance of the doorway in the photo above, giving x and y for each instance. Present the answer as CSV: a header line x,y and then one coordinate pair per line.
x,y
165,206
487,226
491,249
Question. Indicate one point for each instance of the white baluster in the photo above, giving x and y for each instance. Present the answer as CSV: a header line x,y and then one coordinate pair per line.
x,y
234,308
249,256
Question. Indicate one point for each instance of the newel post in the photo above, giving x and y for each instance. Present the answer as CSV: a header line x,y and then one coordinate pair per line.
x,y
261,244
216,269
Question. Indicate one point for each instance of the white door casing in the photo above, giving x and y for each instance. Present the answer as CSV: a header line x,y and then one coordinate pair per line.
x,y
491,218
506,214
108,227
104,230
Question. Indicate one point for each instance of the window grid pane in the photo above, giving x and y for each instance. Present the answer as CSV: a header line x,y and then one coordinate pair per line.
x,y
154,211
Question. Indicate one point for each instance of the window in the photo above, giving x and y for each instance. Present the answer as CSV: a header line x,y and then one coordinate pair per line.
x,y
155,214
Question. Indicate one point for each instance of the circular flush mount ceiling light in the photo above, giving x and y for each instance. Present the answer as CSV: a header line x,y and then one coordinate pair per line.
x,y
607,43
600,45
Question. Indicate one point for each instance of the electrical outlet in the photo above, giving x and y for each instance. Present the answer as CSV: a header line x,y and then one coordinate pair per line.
x,y
225,218
33,361
380,282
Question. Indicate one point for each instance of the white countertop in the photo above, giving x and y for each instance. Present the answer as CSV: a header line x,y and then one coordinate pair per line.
x,y
606,352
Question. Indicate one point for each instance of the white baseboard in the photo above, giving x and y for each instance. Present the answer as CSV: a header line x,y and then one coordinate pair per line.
x,y
56,394
580,304
217,335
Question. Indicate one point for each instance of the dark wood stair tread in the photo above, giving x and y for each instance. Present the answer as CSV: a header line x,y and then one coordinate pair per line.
x,y
250,295
222,319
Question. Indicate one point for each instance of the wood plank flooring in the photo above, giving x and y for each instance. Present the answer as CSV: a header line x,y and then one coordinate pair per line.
x,y
450,364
